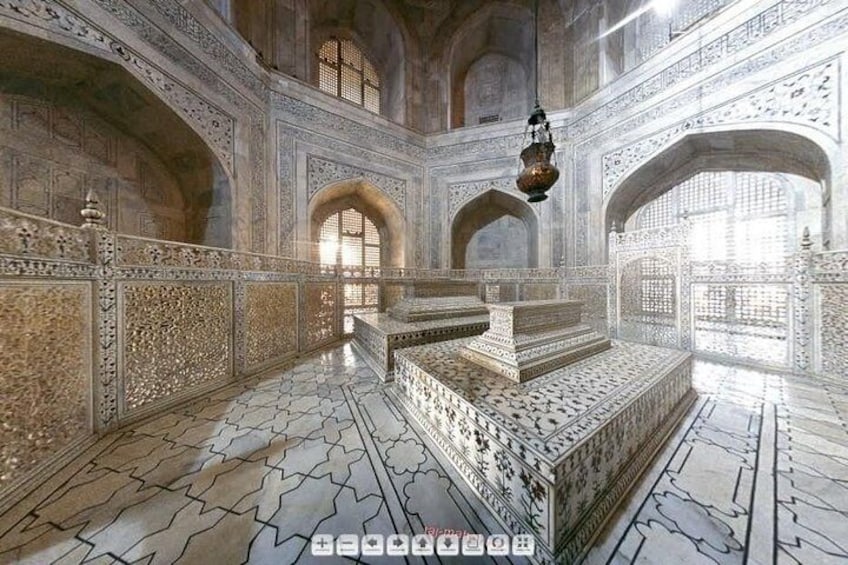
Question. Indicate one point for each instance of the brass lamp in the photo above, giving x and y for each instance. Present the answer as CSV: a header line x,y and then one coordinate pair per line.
x,y
539,173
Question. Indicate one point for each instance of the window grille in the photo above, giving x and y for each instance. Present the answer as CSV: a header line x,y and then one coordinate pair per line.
x,y
350,238
704,192
739,220
658,213
654,32
344,71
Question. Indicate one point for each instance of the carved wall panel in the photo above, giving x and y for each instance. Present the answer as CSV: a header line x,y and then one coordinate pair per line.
x,y
321,172
495,293
173,336
539,291
270,317
320,306
45,372
392,293
51,155
833,308
809,98
594,298
213,124
495,90
503,243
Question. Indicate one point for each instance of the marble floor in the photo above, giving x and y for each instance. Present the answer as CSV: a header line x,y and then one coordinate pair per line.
x,y
756,473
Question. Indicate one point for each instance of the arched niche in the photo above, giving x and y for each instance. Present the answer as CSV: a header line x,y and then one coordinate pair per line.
x,y
751,150
496,28
378,32
76,122
370,201
487,210
495,89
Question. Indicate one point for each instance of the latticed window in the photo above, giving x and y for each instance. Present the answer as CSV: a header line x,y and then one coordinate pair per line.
x,y
736,217
655,31
350,238
344,71
742,218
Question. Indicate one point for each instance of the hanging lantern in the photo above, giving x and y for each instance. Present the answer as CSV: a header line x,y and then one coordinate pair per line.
x,y
539,173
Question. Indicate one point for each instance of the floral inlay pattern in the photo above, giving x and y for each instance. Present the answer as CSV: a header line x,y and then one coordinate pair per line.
x,y
270,321
45,381
175,337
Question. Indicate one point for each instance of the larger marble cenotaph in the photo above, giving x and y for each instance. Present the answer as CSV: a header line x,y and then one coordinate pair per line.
x,y
429,312
549,422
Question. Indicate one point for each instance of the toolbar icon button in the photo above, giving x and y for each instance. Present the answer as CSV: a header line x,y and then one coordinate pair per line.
x,y
373,544
497,544
473,544
397,544
447,544
347,544
524,545
322,544
422,544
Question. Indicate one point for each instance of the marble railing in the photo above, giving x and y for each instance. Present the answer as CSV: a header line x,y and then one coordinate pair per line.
x,y
99,329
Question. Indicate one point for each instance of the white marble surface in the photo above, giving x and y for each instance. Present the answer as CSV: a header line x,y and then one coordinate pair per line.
x,y
756,473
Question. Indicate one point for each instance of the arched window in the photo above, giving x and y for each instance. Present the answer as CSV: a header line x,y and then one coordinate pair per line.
x,y
344,71
348,237
742,223
744,217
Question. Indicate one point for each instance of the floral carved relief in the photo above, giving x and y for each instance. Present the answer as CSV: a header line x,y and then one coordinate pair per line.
x,y
45,372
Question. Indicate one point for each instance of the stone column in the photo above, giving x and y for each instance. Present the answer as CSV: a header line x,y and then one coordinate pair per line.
x,y
103,247
801,306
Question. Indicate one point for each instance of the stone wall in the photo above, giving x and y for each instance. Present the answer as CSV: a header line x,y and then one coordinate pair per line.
x,y
500,244
45,373
51,155
496,88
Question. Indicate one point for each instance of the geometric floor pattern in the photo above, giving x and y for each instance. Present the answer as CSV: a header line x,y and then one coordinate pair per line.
x,y
756,473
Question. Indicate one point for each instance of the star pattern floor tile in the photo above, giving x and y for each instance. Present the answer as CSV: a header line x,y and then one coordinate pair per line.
x,y
756,473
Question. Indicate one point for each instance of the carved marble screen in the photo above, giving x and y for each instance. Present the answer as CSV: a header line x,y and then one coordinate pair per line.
x,y
744,226
648,302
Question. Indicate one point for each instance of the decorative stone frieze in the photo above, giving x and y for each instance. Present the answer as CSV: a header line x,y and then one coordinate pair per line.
x,y
183,20
35,237
298,112
767,23
461,192
321,172
809,98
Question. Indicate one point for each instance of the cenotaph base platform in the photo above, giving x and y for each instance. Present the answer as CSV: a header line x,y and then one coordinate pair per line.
x,y
528,339
415,321
554,455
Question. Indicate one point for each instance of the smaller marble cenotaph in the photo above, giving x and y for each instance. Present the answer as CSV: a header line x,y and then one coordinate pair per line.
x,y
528,339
